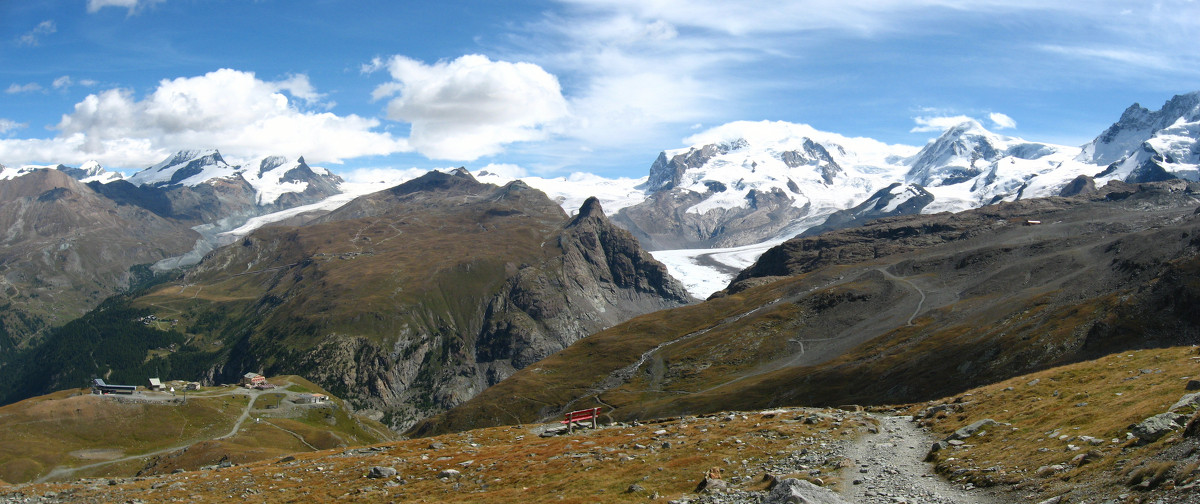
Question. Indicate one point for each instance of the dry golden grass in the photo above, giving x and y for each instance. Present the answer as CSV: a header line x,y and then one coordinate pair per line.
x,y
513,465
1050,412
41,433
71,429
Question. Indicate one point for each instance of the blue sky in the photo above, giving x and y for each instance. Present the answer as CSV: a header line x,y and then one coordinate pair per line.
x,y
555,87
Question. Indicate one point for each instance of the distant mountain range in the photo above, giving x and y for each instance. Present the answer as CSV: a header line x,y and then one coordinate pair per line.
x,y
751,182
76,236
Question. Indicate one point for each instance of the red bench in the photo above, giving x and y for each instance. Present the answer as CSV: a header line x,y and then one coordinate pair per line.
x,y
581,416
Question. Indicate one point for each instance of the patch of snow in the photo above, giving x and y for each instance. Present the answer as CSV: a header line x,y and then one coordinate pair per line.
x,y
900,194
269,183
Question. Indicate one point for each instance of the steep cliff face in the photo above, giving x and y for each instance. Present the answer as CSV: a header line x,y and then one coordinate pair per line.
x,y
414,299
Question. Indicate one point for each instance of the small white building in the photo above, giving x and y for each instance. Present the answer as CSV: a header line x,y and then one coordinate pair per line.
x,y
155,384
310,398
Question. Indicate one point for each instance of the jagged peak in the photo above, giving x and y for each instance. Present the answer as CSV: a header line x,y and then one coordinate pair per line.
x,y
271,162
589,211
591,208
92,167
1138,124
186,155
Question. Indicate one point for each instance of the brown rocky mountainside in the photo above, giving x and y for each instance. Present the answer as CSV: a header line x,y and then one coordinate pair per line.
x,y
903,309
64,248
414,299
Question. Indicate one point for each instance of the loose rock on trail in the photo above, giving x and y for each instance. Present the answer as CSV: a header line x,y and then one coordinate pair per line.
x,y
888,467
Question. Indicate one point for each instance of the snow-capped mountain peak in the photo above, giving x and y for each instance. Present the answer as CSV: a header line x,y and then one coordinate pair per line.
x,y
1136,125
92,168
961,153
1152,146
740,162
90,171
274,176
186,167
270,177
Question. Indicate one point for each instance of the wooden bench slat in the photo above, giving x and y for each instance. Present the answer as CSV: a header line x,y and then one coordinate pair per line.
x,y
578,416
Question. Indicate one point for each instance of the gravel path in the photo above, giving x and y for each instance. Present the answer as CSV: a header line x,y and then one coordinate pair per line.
x,y
889,469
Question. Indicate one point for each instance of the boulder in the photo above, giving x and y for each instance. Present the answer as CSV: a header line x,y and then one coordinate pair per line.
x,y
1086,458
796,491
1154,428
1189,401
710,484
377,472
970,430
937,447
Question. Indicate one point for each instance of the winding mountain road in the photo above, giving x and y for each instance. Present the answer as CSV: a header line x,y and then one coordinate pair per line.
x,y
920,304
61,472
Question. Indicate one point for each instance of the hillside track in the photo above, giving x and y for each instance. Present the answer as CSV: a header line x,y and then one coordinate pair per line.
x,y
887,468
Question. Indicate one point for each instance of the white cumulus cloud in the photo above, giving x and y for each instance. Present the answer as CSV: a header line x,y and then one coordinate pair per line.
x,y
938,123
230,110
471,106
1002,121
133,5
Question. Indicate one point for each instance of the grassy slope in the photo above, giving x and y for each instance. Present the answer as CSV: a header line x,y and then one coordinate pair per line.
x,y
512,464
73,428
1099,398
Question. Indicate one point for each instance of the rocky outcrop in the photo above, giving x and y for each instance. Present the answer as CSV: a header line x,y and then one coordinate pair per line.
x,y
596,248
1082,184
666,173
